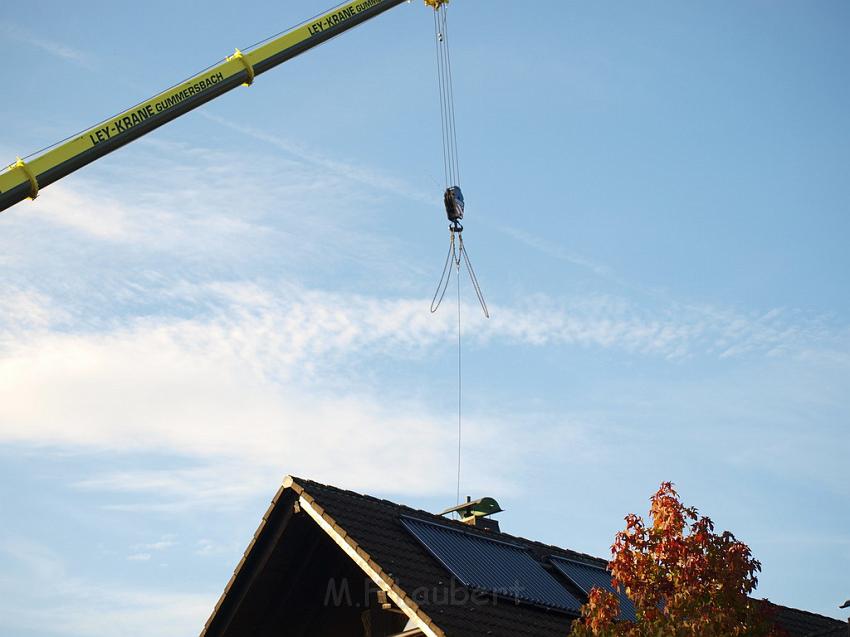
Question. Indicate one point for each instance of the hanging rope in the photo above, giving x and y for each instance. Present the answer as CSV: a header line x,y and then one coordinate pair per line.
x,y
450,111
451,259
457,256
475,285
459,387
451,165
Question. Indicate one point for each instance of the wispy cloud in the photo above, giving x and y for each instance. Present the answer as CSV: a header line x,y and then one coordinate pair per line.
x,y
201,487
672,331
27,310
247,377
215,391
184,219
160,545
205,547
38,586
97,215
276,329
557,251
371,177
186,215
53,47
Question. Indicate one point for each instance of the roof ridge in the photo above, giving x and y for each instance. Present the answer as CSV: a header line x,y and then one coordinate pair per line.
x,y
476,531
804,612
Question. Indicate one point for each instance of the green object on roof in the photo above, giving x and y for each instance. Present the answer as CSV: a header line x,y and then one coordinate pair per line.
x,y
475,508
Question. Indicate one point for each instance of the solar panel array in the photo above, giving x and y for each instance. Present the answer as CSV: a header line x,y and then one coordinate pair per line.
x,y
587,577
486,564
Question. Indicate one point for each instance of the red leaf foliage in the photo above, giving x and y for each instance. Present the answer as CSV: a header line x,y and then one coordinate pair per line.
x,y
685,580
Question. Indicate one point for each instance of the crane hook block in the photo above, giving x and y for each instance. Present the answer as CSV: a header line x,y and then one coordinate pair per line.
x,y
436,3
453,198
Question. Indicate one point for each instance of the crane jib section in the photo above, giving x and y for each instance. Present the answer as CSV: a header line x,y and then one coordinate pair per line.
x,y
127,121
23,179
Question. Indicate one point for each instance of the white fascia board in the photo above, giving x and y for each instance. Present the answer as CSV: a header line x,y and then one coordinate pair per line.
x,y
367,568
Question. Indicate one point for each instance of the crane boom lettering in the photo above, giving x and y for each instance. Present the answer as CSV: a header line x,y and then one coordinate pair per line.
x,y
24,179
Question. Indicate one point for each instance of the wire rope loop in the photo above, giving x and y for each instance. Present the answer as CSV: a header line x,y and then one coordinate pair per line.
x,y
248,67
452,258
475,285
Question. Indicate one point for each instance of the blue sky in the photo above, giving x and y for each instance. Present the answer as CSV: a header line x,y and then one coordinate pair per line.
x,y
657,207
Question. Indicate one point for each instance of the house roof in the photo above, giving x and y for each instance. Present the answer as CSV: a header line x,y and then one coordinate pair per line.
x,y
841,631
369,530
802,623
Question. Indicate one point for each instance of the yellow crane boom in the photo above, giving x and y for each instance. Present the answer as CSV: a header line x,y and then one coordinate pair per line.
x,y
24,179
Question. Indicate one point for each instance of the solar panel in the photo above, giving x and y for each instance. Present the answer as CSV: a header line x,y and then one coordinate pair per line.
x,y
491,565
586,577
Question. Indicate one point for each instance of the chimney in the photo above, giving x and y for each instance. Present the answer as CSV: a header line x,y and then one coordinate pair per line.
x,y
477,513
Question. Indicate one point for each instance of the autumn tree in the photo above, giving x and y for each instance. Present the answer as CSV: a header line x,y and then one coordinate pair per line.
x,y
684,579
